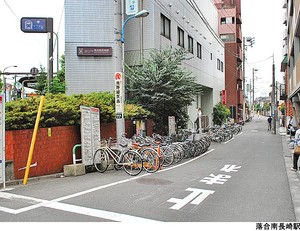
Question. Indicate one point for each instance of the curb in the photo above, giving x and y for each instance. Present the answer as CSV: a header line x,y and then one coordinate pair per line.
x,y
293,177
33,179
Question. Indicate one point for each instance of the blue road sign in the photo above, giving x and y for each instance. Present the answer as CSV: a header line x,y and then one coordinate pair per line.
x,y
34,25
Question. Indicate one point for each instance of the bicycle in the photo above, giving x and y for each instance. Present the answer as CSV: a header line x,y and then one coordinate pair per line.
x,y
151,158
125,158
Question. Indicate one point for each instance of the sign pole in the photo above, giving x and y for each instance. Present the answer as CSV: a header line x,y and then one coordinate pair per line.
x,y
2,143
50,51
41,25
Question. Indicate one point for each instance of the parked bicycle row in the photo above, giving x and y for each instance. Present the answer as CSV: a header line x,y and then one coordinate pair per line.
x,y
153,153
146,153
223,133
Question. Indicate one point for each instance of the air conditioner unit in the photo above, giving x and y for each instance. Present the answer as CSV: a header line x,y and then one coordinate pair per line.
x,y
295,99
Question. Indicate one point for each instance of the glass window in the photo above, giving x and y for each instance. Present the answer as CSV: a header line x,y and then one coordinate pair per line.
x,y
227,20
190,44
180,37
227,37
199,50
165,26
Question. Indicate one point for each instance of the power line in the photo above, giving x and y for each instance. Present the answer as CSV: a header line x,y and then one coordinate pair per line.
x,y
262,60
11,9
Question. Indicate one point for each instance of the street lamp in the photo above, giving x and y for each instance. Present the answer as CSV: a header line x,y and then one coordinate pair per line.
x,y
57,53
140,14
4,80
119,78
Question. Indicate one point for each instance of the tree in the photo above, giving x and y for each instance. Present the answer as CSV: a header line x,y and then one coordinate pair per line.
x,y
162,86
257,107
57,85
220,114
266,107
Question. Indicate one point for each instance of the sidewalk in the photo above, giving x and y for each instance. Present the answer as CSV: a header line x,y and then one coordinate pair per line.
x,y
293,177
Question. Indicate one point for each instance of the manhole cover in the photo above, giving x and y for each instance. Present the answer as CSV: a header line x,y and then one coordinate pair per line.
x,y
153,181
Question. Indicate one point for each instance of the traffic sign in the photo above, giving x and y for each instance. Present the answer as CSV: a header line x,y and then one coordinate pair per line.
x,y
34,25
18,85
34,71
132,7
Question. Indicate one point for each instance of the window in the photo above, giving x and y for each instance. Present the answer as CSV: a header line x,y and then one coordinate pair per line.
x,y
180,37
227,37
199,50
190,44
227,20
165,26
220,65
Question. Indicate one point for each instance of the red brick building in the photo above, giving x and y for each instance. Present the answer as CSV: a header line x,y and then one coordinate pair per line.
x,y
230,31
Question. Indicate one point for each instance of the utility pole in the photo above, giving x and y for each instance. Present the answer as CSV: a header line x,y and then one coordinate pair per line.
x,y
250,40
273,96
119,75
253,88
244,81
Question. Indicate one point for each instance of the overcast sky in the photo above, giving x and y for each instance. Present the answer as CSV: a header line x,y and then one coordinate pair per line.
x,y
27,50
261,19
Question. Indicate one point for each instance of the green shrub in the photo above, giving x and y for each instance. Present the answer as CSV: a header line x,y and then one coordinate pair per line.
x,y
60,109
220,114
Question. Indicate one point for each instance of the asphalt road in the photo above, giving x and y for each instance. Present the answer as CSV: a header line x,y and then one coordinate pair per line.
x,y
243,180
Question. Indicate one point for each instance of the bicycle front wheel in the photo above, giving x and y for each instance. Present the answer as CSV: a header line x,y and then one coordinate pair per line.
x,y
132,162
100,160
151,159
168,155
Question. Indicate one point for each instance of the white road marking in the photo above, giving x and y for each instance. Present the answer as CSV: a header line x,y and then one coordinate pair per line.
x,y
196,197
228,141
97,213
56,204
230,168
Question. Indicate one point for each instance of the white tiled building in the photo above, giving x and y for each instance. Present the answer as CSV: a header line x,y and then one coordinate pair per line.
x,y
190,24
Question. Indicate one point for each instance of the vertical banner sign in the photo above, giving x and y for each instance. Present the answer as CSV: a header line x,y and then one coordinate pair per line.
x,y
2,141
119,95
132,7
223,97
90,133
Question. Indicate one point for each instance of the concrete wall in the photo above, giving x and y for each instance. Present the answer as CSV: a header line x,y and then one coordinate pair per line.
x,y
89,23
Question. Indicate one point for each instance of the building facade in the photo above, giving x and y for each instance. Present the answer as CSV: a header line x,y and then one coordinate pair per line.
x,y
230,31
187,24
290,65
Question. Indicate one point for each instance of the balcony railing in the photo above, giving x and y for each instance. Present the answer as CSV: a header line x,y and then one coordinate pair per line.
x,y
282,92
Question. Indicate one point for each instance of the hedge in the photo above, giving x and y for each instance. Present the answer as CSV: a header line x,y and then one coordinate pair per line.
x,y
60,110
